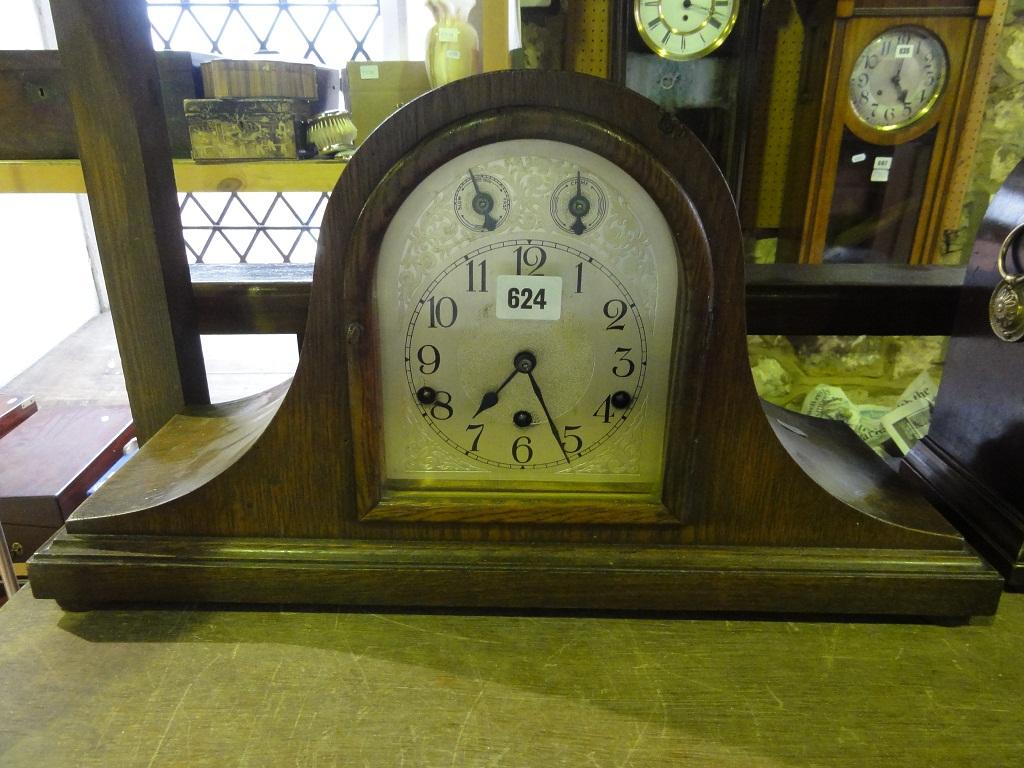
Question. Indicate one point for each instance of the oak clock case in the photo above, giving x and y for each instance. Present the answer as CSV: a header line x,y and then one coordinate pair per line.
x,y
650,476
884,94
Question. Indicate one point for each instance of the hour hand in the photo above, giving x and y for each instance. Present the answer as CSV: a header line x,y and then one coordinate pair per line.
x,y
490,399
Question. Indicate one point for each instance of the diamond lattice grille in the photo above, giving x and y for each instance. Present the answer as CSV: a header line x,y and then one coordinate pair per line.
x,y
263,227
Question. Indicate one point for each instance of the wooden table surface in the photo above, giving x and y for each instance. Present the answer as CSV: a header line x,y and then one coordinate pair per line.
x,y
283,688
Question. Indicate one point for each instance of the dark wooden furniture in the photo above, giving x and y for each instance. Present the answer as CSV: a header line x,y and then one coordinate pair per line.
x,y
14,409
209,688
278,497
49,462
800,300
970,458
37,122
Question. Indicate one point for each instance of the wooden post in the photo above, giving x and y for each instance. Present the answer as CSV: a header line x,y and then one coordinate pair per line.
x,y
112,82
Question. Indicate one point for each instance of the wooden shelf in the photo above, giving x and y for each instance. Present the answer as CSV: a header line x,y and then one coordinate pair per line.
x,y
788,299
252,176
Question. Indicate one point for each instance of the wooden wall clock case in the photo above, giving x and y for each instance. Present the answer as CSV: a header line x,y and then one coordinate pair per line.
x,y
284,497
907,227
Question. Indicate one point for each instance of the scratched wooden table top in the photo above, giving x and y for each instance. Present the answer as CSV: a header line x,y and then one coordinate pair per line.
x,y
282,688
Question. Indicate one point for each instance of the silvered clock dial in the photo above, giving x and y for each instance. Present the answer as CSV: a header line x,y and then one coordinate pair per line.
x,y
898,78
526,296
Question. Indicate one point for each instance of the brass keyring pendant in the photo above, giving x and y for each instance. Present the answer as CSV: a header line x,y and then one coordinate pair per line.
x,y
1006,307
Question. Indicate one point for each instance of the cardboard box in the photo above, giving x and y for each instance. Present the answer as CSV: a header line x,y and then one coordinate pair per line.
x,y
374,90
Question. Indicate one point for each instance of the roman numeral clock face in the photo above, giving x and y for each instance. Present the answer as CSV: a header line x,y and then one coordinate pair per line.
x,y
526,299
684,29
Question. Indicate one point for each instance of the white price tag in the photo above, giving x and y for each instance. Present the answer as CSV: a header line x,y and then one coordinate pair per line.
x,y
528,297
883,163
448,34
369,72
860,157
453,54
904,51
880,174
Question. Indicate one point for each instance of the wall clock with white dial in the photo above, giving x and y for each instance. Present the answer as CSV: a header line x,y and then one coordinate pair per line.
x,y
524,383
684,29
898,77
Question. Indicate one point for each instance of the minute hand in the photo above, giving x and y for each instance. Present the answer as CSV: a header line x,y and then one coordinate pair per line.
x,y
551,422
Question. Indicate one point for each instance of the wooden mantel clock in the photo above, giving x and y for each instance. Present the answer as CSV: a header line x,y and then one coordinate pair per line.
x,y
523,384
884,95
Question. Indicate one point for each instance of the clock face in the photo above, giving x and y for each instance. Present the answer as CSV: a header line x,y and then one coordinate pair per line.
x,y
525,297
898,78
684,29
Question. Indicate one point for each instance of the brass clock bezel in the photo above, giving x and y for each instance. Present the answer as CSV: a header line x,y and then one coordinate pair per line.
x,y
927,108
664,53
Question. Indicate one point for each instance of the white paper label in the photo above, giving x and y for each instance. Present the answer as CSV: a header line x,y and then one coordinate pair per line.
x,y
453,54
880,174
528,297
369,72
904,51
859,158
448,34
883,163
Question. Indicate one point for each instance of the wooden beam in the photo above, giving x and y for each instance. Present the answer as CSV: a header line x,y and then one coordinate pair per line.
x,y
112,82
788,299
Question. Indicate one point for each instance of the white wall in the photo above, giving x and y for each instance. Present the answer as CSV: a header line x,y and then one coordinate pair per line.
x,y
47,289
46,283
21,26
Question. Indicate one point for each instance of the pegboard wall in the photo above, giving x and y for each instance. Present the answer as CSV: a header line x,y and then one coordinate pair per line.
x,y
778,121
589,23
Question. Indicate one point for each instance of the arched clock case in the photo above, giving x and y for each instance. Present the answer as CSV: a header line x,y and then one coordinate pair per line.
x,y
523,384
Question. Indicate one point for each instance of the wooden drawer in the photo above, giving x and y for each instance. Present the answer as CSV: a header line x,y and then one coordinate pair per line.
x,y
50,461
14,409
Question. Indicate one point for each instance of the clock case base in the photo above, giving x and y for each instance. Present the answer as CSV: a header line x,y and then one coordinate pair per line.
x,y
86,570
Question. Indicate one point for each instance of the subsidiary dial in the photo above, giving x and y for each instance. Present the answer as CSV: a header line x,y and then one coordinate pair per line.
x,y
578,204
482,202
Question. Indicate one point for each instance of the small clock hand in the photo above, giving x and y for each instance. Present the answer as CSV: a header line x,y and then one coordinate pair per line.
x,y
551,422
901,92
490,399
579,207
483,204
